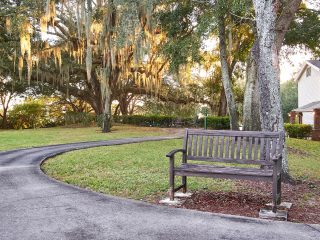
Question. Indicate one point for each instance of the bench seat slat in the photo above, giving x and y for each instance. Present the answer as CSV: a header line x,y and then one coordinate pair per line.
x,y
222,146
210,146
256,146
195,145
216,145
224,170
244,147
227,147
205,148
250,149
189,139
200,146
233,133
233,142
238,147
230,160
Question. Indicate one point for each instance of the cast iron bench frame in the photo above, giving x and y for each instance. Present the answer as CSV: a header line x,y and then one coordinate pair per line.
x,y
240,147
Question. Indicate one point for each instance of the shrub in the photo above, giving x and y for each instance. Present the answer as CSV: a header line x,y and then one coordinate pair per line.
x,y
99,120
217,122
82,118
173,121
298,130
27,115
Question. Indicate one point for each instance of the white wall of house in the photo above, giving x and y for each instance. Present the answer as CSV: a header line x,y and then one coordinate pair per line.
x,y
307,118
309,88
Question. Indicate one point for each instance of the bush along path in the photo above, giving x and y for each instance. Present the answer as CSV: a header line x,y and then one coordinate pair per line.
x,y
34,206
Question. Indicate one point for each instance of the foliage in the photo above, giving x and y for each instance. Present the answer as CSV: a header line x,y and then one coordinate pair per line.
x,y
156,107
27,115
9,91
289,98
298,130
82,118
216,123
168,31
173,121
305,30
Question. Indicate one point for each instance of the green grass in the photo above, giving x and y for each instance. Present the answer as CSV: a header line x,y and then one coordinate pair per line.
x,y
12,139
304,159
140,171
134,171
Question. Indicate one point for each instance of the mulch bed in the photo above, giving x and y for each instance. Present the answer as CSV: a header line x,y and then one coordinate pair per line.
x,y
250,197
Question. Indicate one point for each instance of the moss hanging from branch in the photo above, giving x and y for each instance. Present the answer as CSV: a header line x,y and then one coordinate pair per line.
x,y
20,67
118,34
88,36
8,25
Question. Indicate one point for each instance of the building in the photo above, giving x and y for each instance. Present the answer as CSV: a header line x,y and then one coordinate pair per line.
x,y
308,111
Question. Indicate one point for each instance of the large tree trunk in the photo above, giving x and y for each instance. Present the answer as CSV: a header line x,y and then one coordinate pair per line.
x,y
226,78
251,104
251,108
271,29
123,103
107,114
222,104
4,120
268,71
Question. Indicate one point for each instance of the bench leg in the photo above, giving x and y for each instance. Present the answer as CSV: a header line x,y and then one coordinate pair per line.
x,y
276,193
279,190
171,181
184,183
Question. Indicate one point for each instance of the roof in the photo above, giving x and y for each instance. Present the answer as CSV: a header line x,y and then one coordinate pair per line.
x,y
308,108
311,63
315,63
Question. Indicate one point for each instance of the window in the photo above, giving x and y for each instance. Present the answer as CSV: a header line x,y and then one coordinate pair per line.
x,y
308,72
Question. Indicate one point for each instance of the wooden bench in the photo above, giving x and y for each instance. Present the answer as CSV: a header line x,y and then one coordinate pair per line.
x,y
260,149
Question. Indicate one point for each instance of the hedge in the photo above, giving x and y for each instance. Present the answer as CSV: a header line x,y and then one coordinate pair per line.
x,y
298,130
173,121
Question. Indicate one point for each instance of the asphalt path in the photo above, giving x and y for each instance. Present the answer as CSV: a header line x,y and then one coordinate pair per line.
x,y
34,206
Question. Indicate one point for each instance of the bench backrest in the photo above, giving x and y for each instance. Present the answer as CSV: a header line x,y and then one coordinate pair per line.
x,y
246,147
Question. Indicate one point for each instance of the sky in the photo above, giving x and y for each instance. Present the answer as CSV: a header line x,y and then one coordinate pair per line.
x,y
291,63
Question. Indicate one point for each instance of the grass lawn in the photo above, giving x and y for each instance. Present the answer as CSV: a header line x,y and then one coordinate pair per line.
x,y
140,171
12,139
304,159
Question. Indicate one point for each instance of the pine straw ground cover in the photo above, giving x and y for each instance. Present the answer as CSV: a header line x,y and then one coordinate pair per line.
x,y
140,171
247,197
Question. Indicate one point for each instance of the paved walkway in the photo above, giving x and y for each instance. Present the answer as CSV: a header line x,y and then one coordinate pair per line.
x,y
33,206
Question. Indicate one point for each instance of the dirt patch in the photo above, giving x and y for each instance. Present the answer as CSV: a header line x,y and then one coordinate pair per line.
x,y
173,131
298,152
250,197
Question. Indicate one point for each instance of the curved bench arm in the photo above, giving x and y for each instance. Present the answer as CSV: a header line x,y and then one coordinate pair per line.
x,y
277,157
173,152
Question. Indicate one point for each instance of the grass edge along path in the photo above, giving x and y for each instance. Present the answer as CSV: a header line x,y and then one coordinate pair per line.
x,y
137,171
140,171
13,139
126,170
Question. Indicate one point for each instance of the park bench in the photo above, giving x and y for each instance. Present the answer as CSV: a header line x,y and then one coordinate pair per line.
x,y
246,155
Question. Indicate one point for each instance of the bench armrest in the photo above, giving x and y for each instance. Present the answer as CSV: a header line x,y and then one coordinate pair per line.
x,y
277,158
277,164
173,152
